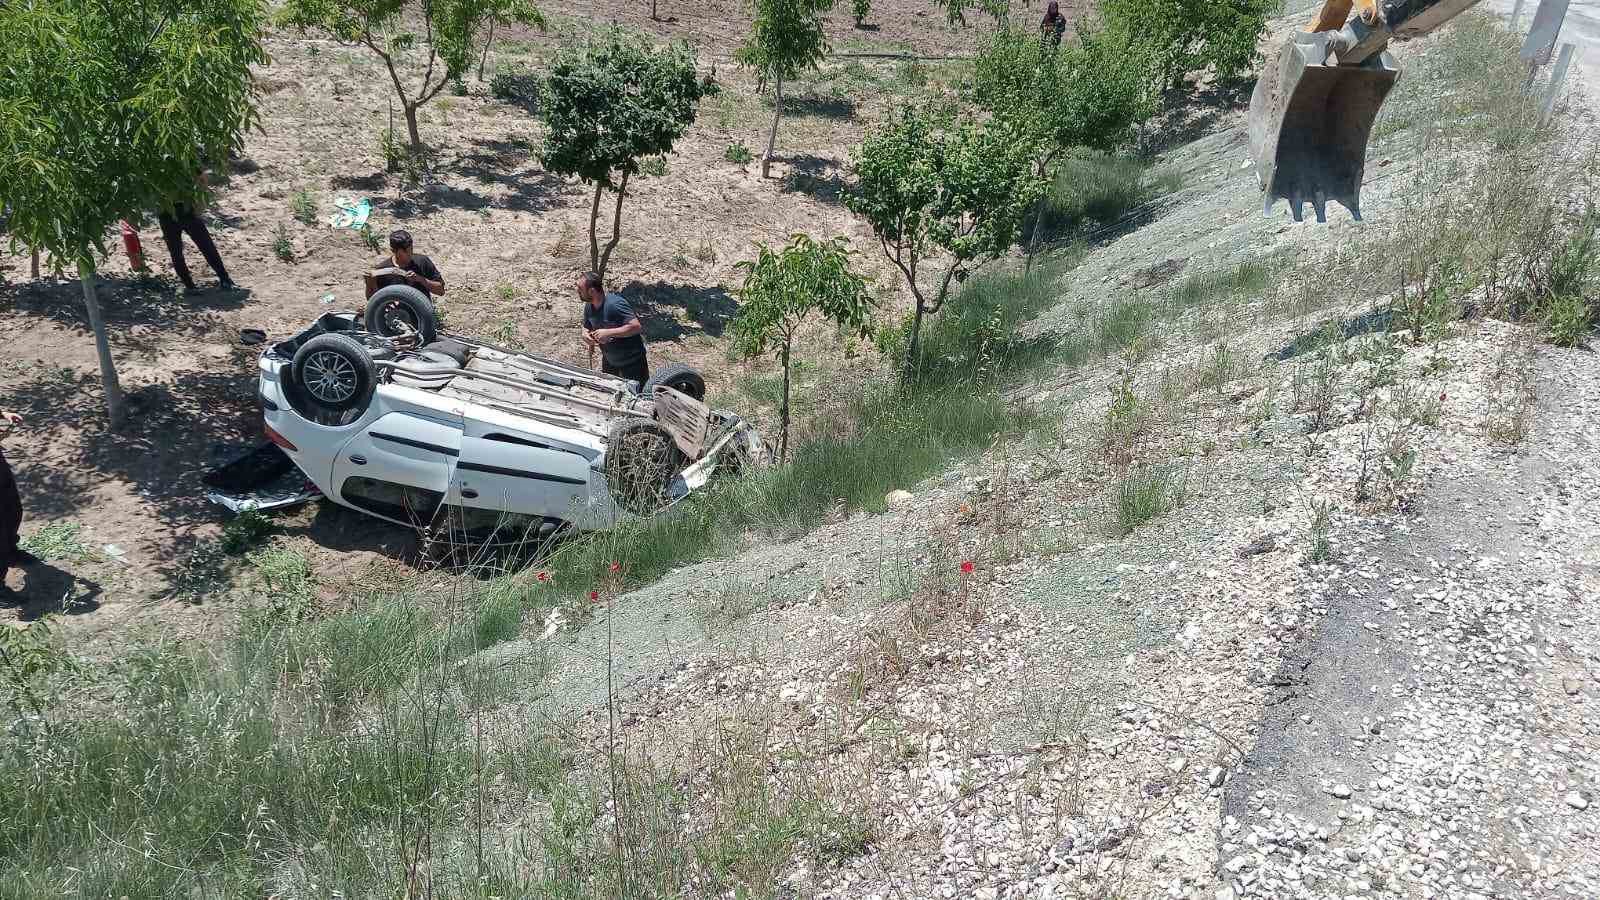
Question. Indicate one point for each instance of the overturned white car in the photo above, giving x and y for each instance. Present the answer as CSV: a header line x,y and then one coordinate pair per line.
x,y
385,415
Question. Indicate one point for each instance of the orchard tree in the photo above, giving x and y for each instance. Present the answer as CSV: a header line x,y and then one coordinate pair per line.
x,y
110,110
786,38
956,10
782,289
609,105
1183,36
451,31
1088,93
927,183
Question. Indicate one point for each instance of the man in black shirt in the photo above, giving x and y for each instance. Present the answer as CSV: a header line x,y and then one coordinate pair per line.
x,y
10,509
402,266
610,324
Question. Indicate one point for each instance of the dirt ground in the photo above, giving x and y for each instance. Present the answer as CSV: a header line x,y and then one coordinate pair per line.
x,y
508,237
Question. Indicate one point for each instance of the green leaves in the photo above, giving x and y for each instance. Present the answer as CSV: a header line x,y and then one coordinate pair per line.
x,y
1089,93
108,111
956,10
1181,36
611,103
925,181
781,288
451,30
786,37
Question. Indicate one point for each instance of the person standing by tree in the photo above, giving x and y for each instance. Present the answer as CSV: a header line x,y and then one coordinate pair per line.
x,y
184,218
610,324
10,508
1053,26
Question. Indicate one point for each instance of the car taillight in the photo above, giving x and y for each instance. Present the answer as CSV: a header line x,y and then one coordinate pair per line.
x,y
279,439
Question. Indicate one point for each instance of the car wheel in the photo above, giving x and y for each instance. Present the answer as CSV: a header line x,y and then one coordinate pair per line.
x,y
334,373
680,378
641,461
394,310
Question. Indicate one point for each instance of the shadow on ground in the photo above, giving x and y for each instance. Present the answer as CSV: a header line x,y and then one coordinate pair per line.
x,y
46,590
176,429
1188,115
706,310
815,176
139,312
819,106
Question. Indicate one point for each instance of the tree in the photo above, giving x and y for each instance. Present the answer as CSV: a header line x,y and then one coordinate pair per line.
x,y
782,289
110,110
609,105
1088,93
450,35
786,38
1183,36
926,183
956,10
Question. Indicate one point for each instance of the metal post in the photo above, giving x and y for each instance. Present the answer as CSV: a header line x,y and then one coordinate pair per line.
x,y
1542,33
1556,80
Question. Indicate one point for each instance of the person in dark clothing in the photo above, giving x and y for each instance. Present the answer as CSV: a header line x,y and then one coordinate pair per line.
x,y
183,218
1054,24
10,509
402,266
610,324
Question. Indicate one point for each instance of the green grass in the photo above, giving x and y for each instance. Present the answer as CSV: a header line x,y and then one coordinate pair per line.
x,y
282,244
1091,194
1250,278
245,531
58,540
214,776
304,206
1144,494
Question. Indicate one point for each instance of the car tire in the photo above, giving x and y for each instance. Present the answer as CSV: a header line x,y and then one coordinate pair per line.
x,y
641,461
333,373
680,378
398,304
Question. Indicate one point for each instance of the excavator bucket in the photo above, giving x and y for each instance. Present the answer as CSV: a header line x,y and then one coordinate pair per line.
x,y
1309,124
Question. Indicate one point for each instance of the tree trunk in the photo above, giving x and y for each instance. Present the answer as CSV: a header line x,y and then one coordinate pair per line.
x,y
616,227
783,412
1033,239
108,369
34,264
411,127
916,338
486,42
1038,216
772,136
594,218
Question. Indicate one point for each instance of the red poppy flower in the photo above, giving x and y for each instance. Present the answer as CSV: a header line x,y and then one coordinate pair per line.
x,y
616,567
966,567
594,596
544,576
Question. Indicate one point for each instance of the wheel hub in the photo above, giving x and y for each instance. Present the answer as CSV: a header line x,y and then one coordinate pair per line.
x,y
330,377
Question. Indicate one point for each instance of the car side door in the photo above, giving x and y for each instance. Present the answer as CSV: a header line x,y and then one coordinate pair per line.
x,y
400,467
514,474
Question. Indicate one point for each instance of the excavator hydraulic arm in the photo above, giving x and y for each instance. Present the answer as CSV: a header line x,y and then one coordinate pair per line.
x,y
1315,101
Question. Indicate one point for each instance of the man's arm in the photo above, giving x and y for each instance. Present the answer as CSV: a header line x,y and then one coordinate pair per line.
x,y
627,329
432,280
10,420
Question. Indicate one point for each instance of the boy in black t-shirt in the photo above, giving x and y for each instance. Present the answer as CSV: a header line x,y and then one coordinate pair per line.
x,y
610,324
402,266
